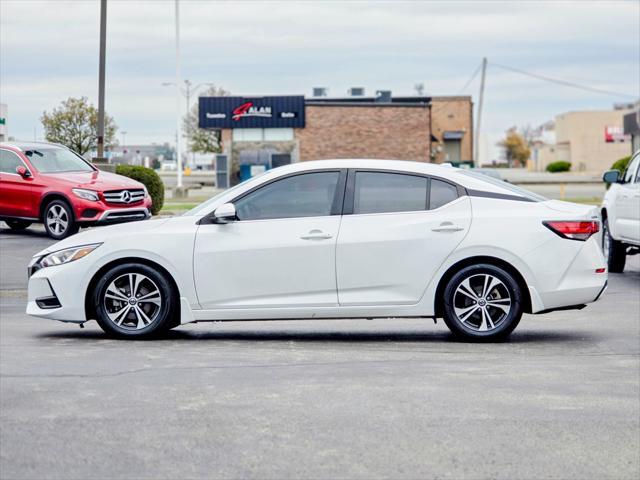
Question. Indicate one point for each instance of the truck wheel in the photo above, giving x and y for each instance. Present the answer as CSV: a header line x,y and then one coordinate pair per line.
x,y
615,252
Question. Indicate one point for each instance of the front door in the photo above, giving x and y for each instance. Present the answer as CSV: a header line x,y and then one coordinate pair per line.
x,y
401,229
15,191
281,250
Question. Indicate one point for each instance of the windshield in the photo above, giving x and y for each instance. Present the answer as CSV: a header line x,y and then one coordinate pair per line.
x,y
508,186
57,160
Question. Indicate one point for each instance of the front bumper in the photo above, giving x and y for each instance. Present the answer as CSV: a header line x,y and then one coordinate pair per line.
x,y
100,212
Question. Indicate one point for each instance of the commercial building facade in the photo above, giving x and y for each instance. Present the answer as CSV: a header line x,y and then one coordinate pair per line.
x,y
272,131
590,140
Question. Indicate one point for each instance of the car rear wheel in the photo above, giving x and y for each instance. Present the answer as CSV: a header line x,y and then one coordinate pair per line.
x,y
135,301
614,252
58,220
482,302
17,224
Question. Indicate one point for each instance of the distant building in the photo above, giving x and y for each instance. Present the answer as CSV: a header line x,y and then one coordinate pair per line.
x,y
4,136
145,155
590,140
267,132
632,127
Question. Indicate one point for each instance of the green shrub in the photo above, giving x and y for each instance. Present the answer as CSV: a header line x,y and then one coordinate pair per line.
x,y
150,179
559,166
621,164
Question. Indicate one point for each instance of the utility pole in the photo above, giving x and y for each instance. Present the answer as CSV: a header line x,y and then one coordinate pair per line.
x,y
178,97
103,48
476,148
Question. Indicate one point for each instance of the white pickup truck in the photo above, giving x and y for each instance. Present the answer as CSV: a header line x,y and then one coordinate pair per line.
x,y
621,215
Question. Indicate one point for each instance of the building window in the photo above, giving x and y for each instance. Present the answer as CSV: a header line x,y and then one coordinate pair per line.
x,y
262,134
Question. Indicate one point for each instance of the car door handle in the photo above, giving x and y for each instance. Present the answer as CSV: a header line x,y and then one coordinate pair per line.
x,y
447,227
316,235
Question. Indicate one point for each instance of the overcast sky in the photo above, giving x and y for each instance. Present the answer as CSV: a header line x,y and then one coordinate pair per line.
x,y
49,51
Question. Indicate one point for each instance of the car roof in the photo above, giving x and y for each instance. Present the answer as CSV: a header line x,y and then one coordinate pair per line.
x,y
407,166
23,146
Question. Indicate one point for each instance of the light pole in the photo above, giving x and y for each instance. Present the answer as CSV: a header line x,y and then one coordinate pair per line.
x,y
188,91
178,123
101,75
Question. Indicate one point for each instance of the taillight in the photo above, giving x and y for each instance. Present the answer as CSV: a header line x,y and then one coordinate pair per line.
x,y
573,230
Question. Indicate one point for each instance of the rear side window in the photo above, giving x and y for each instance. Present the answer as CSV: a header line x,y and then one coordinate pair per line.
x,y
9,161
306,195
376,192
441,193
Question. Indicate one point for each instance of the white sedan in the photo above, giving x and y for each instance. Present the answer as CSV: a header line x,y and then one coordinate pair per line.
x,y
333,239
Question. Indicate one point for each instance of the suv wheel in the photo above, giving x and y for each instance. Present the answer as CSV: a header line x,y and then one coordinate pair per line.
x,y
17,224
58,220
614,251
482,302
135,301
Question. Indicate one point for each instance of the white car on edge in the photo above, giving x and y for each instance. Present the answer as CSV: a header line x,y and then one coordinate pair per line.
x,y
333,239
621,215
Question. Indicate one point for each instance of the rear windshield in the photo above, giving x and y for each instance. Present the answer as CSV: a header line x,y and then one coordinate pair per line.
x,y
521,192
57,160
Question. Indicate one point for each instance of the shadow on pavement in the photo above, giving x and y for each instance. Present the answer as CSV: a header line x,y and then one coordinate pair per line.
x,y
529,337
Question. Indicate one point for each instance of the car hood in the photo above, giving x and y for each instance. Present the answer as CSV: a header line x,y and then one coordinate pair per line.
x,y
97,180
100,234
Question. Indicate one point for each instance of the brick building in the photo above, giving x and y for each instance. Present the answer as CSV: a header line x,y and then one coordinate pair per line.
x,y
264,132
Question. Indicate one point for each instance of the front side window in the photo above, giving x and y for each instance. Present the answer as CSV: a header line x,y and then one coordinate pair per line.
x,y
305,195
9,161
377,192
57,160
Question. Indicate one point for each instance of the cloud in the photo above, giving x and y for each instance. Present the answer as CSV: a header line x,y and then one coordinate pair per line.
x,y
49,51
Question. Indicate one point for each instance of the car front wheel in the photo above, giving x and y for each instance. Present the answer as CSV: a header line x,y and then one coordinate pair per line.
x,y
134,301
58,220
614,252
482,302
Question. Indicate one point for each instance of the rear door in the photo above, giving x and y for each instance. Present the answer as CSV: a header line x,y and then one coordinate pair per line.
x,y
396,231
15,191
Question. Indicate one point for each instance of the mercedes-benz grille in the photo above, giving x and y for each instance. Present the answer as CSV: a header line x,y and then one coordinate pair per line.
x,y
124,196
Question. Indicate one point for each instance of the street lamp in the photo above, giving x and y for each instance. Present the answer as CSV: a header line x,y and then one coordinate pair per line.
x,y
187,91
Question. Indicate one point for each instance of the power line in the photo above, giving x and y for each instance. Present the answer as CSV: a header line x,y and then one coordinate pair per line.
x,y
566,83
475,74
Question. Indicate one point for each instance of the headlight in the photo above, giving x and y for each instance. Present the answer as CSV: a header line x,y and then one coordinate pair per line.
x,y
86,194
146,192
67,255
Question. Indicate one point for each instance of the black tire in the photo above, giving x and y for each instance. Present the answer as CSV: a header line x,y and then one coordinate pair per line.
x,y
58,220
17,224
499,309
146,278
615,252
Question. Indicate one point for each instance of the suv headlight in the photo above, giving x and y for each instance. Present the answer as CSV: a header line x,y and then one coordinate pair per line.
x,y
146,192
86,194
67,255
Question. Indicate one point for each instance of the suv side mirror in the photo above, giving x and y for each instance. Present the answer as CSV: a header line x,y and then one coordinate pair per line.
x,y
22,171
225,213
611,176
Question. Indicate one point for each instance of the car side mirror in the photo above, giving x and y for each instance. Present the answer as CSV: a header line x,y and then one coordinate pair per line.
x,y
611,176
23,172
225,213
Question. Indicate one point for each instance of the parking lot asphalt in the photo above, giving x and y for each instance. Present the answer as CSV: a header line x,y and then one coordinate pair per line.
x,y
320,399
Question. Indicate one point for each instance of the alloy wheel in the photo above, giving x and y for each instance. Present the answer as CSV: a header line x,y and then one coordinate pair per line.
x,y
482,302
132,301
57,219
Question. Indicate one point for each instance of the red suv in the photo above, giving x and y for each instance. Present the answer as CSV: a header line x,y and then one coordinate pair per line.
x,y
48,183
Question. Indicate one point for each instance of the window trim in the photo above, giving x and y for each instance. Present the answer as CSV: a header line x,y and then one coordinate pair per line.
x,y
336,205
349,199
21,160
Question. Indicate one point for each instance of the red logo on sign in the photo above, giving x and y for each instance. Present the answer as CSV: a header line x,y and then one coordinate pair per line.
x,y
241,111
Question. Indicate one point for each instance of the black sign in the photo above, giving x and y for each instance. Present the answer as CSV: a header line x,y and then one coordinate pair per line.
x,y
251,112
